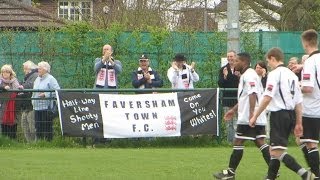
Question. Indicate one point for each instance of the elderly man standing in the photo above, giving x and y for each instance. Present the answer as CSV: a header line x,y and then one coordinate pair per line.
x,y
43,120
107,69
145,77
27,114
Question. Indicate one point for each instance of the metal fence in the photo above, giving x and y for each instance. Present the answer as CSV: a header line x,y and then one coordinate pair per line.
x,y
71,55
27,119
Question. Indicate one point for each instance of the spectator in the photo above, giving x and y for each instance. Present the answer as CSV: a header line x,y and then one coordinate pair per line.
x,y
107,69
182,75
262,71
229,78
145,77
27,114
41,107
293,62
298,67
8,113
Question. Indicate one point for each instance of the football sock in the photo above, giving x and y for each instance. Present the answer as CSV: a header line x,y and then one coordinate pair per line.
x,y
292,164
313,159
235,157
265,153
305,152
273,169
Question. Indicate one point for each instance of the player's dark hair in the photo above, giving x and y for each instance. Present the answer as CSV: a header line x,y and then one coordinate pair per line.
x,y
245,57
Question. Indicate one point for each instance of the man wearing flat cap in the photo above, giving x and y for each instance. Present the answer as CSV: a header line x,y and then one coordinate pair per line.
x,y
145,77
180,74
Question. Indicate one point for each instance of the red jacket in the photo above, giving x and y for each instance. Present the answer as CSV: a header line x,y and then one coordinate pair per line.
x,y
9,114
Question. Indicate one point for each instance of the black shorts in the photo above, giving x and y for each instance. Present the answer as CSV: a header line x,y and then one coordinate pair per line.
x,y
247,132
281,124
311,130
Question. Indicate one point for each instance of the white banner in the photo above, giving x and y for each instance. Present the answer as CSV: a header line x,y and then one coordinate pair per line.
x,y
150,115
138,115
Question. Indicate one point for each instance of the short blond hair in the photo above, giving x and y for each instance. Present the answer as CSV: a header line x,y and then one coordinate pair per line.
x,y
8,68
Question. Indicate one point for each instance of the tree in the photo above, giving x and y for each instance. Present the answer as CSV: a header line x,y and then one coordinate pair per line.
x,y
132,14
286,15
139,14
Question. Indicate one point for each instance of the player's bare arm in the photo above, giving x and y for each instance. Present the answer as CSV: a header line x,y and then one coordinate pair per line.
x,y
264,103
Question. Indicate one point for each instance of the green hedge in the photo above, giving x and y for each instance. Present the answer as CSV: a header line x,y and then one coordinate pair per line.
x,y
71,50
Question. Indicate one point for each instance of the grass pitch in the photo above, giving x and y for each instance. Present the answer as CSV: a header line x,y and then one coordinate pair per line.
x,y
145,163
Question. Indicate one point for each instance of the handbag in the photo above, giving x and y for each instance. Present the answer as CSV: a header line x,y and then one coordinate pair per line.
x,y
53,109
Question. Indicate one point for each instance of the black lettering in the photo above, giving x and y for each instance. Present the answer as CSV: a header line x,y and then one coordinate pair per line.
x,y
106,104
147,104
163,103
127,115
115,104
123,104
139,104
154,115
131,104
154,104
136,116
145,116
171,103
134,127
146,127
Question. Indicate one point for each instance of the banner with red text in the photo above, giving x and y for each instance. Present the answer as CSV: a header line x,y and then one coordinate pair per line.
x,y
138,115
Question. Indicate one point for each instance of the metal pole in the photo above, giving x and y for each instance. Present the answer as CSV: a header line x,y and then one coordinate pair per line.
x,y
233,25
205,14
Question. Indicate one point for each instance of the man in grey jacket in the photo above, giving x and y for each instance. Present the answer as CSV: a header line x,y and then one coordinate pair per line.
x,y
27,114
107,69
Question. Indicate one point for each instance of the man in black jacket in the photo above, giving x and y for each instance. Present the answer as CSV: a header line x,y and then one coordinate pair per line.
x,y
229,78
145,77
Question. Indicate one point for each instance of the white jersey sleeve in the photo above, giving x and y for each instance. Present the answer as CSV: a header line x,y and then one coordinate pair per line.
x,y
249,83
308,73
310,78
272,84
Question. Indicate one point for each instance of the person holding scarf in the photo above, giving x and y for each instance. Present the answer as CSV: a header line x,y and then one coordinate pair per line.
x,y
107,69
145,77
180,74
